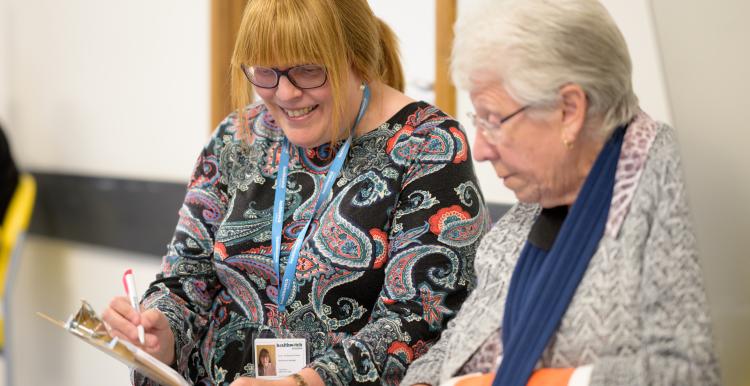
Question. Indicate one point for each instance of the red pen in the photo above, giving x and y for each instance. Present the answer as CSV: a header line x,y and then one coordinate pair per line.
x,y
129,282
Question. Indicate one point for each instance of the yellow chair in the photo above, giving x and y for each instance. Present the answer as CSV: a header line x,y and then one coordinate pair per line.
x,y
12,233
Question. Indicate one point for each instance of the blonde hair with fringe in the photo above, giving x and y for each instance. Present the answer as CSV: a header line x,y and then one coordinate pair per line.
x,y
334,33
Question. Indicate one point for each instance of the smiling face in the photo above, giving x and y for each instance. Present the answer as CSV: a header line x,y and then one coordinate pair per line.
x,y
306,115
528,153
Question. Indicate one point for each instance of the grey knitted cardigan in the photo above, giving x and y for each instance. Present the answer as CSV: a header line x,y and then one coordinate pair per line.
x,y
639,315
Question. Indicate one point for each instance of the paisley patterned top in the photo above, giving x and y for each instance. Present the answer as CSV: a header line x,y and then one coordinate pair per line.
x,y
388,260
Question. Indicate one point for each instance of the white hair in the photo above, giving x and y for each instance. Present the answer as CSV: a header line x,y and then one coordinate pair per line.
x,y
535,47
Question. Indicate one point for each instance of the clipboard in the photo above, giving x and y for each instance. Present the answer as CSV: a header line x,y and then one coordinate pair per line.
x,y
87,326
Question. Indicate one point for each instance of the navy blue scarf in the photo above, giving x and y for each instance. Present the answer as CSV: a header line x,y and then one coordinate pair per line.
x,y
543,283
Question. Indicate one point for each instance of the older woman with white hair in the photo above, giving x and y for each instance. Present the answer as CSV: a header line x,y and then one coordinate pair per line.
x,y
593,277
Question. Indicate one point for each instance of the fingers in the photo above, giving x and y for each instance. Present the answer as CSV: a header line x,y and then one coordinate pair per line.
x,y
159,337
121,319
153,319
121,305
156,323
152,343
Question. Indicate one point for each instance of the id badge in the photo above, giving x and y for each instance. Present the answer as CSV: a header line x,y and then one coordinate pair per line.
x,y
279,354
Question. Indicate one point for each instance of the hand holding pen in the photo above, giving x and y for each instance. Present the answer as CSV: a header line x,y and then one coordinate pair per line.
x,y
150,327
129,282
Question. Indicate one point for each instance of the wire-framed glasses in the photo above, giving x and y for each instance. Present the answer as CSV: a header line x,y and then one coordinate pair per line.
x,y
491,130
303,77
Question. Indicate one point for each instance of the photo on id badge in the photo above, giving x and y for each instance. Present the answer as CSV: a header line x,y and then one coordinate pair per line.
x,y
279,357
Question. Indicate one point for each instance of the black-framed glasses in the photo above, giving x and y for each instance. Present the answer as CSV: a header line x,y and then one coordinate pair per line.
x,y
491,130
303,77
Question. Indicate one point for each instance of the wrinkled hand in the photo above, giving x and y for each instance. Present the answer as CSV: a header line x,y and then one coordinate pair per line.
x,y
122,321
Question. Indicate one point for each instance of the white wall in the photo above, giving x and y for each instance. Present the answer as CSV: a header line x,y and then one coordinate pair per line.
x,y
707,65
113,88
104,88
413,21
4,41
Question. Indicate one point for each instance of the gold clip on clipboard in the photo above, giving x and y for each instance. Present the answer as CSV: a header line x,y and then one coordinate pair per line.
x,y
86,325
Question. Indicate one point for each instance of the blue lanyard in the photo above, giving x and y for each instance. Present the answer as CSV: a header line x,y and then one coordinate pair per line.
x,y
285,289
